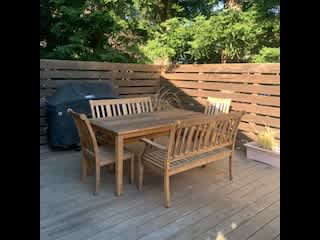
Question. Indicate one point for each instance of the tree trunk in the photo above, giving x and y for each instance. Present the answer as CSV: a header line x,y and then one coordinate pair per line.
x,y
165,9
223,56
233,4
169,9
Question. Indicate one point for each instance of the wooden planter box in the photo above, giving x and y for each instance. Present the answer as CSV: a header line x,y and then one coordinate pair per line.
x,y
257,153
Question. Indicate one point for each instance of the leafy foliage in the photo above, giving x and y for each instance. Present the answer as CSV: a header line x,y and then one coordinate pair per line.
x,y
265,139
161,31
268,55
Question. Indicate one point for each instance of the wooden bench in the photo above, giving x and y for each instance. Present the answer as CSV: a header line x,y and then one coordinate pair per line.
x,y
192,143
106,108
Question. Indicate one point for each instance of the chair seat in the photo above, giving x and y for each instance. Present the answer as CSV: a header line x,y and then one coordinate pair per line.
x,y
107,155
157,157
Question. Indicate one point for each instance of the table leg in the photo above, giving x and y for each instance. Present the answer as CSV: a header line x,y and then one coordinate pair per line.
x,y
119,164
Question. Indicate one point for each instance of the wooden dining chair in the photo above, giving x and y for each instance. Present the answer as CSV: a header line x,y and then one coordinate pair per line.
x,y
94,155
215,105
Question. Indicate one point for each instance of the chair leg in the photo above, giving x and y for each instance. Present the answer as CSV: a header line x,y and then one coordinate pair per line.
x,y
166,190
230,167
140,173
131,174
84,166
97,179
90,168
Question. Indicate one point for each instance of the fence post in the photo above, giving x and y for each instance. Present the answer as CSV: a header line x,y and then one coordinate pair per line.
x,y
114,74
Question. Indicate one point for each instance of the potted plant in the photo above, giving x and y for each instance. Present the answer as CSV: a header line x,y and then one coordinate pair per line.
x,y
264,149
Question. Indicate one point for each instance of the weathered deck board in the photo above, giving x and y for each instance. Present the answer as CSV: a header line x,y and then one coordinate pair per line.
x,y
270,230
204,202
277,237
255,223
233,222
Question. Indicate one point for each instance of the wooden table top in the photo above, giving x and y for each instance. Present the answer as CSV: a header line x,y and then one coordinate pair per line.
x,y
145,121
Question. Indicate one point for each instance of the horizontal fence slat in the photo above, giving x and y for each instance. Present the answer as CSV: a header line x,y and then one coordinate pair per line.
x,y
242,78
137,75
85,65
59,83
67,64
126,90
270,111
267,121
265,100
140,83
232,67
247,127
139,67
75,74
274,90
248,107
136,95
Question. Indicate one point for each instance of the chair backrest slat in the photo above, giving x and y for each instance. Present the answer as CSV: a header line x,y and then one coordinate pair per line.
x,y
118,107
215,105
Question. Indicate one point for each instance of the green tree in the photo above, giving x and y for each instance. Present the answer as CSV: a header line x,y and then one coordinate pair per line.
x,y
267,55
87,30
188,31
235,33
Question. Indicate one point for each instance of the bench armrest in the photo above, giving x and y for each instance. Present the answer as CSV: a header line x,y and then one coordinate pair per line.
x,y
154,144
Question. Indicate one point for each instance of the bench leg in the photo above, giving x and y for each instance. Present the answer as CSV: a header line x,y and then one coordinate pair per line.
x,y
166,190
84,165
131,174
230,167
97,180
140,173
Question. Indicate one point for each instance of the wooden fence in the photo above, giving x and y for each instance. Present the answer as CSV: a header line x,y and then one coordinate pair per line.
x,y
128,80
254,88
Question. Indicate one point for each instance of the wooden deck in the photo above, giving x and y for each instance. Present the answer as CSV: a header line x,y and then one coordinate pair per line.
x,y
205,204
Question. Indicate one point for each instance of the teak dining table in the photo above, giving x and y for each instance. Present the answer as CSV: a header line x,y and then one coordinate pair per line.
x,y
130,128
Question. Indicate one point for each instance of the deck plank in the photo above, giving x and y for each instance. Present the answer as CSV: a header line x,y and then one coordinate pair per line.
x,y
228,206
255,223
269,231
204,202
149,197
230,223
210,228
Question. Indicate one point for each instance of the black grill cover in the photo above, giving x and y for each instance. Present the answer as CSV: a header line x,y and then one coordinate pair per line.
x,y
61,128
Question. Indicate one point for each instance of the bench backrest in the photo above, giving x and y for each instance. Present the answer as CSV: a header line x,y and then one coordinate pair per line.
x,y
215,105
120,107
195,136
